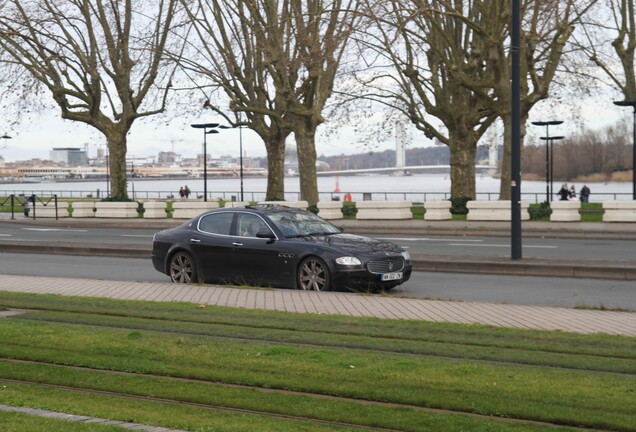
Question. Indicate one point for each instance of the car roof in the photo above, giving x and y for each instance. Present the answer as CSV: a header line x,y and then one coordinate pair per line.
x,y
260,208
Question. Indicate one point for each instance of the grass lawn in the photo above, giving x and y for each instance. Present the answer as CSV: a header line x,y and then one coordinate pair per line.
x,y
219,369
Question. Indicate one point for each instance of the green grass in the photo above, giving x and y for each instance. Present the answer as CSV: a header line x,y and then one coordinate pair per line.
x,y
322,372
591,212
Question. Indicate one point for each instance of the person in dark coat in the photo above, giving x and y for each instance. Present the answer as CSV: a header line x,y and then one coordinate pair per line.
x,y
27,204
564,193
585,194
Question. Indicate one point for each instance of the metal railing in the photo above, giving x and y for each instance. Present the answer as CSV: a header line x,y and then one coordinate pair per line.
x,y
28,204
532,197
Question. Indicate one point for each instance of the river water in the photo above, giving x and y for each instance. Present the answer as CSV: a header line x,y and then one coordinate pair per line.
x,y
416,187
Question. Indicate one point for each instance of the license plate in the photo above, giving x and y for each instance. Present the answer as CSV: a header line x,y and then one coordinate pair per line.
x,y
391,276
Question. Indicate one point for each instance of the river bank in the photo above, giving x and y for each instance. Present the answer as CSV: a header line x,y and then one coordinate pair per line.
x,y
417,188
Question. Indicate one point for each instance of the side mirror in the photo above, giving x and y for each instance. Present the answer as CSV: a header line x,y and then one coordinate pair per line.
x,y
267,234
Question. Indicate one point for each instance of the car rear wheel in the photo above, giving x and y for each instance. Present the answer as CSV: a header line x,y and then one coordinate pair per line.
x,y
313,275
182,268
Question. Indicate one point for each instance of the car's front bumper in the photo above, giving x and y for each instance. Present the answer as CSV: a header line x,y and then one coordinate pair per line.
x,y
360,279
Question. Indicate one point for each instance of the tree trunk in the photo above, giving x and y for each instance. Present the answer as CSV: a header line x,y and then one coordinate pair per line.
x,y
305,146
462,164
276,168
117,166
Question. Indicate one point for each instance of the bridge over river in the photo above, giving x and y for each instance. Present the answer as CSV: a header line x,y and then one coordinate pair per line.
x,y
401,170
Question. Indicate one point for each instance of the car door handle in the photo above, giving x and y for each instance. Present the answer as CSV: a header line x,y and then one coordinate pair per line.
x,y
195,240
237,244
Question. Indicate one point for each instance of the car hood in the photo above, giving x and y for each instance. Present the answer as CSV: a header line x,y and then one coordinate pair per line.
x,y
352,243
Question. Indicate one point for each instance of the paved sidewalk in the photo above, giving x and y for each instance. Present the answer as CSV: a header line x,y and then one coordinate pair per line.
x,y
501,315
85,419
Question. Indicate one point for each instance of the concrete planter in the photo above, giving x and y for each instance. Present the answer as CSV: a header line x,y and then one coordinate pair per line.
x,y
330,210
155,210
565,211
619,211
494,210
437,210
116,209
390,210
188,209
83,209
48,210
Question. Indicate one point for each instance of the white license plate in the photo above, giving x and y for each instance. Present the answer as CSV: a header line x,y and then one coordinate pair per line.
x,y
391,276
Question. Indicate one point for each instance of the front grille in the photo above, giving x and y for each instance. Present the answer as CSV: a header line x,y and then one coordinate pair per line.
x,y
387,265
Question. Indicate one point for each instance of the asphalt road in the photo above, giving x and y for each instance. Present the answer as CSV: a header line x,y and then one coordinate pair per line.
x,y
564,248
553,291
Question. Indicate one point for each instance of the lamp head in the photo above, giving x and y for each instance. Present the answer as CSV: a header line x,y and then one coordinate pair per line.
x,y
547,123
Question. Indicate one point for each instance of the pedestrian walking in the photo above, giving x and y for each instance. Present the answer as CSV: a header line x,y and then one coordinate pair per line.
x,y
187,191
564,193
572,192
585,194
27,206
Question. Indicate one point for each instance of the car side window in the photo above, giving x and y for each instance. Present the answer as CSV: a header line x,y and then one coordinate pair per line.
x,y
248,225
218,223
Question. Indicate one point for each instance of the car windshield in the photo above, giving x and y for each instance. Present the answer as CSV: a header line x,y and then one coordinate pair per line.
x,y
298,224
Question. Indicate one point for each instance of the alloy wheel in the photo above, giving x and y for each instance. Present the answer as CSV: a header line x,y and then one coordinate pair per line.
x,y
182,268
313,275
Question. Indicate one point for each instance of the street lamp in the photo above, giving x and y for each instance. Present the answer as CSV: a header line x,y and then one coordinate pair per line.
x,y
548,154
549,142
632,104
107,175
241,158
5,136
213,130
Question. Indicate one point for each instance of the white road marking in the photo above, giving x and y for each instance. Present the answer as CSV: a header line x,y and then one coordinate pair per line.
x,y
6,235
423,239
503,245
55,229
135,235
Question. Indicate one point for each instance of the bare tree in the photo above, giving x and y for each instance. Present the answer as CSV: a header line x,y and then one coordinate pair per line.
x,y
545,29
230,57
419,51
102,62
276,61
613,23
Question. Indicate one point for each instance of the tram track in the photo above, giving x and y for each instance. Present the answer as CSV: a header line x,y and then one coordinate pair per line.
x,y
339,372
320,339
229,409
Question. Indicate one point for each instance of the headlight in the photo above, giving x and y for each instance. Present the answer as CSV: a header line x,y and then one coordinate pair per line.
x,y
406,255
348,261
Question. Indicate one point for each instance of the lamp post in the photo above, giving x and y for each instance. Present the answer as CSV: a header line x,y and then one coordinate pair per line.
x,y
212,130
132,178
515,130
241,158
632,103
549,142
107,176
548,154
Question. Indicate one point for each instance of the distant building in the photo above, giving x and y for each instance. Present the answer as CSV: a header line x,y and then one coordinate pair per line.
x,y
168,158
73,156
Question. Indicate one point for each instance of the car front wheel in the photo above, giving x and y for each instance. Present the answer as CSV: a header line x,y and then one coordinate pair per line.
x,y
182,268
313,275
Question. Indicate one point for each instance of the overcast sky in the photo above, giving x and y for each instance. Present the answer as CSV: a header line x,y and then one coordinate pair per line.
x,y
151,136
